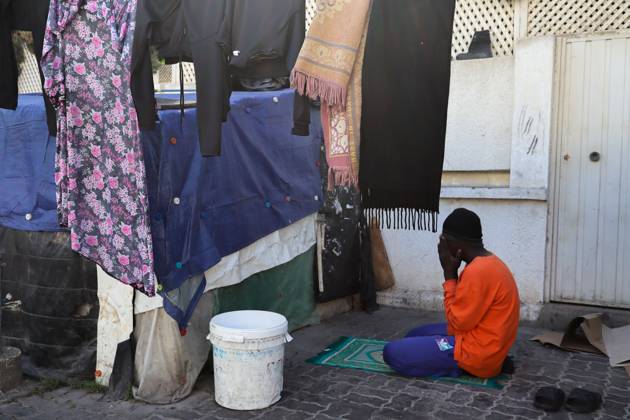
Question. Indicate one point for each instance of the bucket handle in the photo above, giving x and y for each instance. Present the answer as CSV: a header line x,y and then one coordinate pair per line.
x,y
288,338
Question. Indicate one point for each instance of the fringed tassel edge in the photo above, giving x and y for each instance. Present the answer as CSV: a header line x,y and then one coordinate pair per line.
x,y
402,218
341,178
330,93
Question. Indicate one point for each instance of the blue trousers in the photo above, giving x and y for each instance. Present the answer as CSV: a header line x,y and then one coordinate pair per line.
x,y
426,351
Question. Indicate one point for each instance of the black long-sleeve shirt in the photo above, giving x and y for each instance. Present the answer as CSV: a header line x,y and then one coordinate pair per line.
x,y
223,38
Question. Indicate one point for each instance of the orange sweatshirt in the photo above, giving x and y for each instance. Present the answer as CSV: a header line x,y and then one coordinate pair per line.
x,y
482,311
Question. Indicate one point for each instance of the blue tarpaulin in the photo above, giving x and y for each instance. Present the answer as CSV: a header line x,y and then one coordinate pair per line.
x,y
27,159
201,208
205,208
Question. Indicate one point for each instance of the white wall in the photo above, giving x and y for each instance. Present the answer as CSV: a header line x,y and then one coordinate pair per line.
x,y
515,230
497,108
533,111
479,129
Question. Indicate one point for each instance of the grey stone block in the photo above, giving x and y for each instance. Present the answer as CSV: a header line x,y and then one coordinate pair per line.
x,y
10,368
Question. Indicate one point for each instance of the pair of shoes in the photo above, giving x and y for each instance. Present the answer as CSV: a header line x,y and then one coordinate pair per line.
x,y
580,400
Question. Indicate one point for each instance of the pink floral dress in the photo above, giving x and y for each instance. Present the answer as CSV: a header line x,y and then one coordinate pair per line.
x,y
99,169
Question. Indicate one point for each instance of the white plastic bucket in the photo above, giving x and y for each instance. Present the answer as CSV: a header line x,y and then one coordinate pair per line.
x,y
248,350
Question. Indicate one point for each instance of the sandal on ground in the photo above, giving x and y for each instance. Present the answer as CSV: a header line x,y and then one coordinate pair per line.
x,y
583,401
549,398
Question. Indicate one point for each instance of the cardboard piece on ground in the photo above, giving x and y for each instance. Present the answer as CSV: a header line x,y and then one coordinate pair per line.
x,y
617,345
572,340
592,328
597,338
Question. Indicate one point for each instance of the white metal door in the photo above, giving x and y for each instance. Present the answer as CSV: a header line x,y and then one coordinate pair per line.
x,y
592,210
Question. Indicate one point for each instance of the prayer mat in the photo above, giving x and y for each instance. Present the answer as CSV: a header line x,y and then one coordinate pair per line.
x,y
367,354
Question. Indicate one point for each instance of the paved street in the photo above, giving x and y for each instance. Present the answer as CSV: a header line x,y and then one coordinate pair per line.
x,y
315,392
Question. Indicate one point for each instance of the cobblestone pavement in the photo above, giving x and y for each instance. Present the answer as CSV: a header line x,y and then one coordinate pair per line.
x,y
315,392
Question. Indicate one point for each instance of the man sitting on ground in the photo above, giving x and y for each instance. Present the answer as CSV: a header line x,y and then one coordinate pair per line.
x,y
482,311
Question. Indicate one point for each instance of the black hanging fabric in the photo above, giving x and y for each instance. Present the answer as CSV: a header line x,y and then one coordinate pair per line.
x,y
265,42
191,31
8,69
368,282
341,253
22,15
406,76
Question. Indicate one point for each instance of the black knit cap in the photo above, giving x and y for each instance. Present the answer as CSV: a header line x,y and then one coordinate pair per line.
x,y
463,224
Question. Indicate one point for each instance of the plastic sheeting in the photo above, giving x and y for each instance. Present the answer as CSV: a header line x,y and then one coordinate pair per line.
x,y
167,365
115,323
287,290
277,248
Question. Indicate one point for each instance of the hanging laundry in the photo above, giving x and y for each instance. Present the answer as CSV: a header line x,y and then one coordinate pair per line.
x,y
181,31
226,40
264,43
21,15
406,76
99,168
329,67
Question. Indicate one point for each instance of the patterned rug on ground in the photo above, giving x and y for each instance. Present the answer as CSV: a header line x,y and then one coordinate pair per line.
x,y
367,354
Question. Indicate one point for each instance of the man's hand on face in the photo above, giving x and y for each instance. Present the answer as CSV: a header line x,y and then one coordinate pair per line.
x,y
450,263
